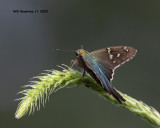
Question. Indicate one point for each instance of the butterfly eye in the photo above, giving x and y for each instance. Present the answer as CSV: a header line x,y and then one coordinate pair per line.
x,y
76,53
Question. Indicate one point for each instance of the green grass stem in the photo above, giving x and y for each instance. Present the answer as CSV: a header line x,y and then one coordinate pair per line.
x,y
38,92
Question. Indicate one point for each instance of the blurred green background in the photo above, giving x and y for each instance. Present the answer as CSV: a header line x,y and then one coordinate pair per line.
x,y
26,50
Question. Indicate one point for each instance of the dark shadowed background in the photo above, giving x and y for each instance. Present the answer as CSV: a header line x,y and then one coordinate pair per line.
x,y
26,50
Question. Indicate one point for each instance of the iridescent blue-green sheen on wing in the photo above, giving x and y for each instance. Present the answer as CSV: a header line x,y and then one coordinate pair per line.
x,y
101,74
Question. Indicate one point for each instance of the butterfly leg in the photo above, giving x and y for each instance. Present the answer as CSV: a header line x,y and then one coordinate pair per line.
x,y
73,62
84,72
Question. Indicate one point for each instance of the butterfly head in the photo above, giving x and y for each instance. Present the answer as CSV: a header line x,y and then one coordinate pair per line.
x,y
81,52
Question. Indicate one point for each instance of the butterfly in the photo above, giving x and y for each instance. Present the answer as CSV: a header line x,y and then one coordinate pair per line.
x,y
100,64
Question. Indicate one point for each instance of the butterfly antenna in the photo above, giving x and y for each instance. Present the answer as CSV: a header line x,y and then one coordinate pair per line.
x,y
57,49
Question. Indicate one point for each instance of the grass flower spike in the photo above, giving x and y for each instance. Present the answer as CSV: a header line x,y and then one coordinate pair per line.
x,y
38,92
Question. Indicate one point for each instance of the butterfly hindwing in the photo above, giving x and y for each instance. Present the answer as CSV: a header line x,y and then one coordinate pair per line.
x,y
100,74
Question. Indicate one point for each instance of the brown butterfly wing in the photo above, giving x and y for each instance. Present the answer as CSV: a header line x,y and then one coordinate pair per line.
x,y
112,57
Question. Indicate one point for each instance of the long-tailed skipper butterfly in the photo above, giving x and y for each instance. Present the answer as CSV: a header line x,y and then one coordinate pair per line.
x,y
100,64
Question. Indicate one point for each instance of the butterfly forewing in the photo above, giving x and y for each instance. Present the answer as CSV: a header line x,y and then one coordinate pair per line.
x,y
113,57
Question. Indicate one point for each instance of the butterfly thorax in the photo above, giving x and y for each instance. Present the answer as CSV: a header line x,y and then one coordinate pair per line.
x,y
80,62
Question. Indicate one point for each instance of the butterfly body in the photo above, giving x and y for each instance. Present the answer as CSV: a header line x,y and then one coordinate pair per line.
x,y
100,64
